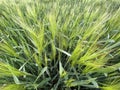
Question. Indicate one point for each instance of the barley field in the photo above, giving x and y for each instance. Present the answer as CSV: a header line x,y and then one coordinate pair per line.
x,y
59,44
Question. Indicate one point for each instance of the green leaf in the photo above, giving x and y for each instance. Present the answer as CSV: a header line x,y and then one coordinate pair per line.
x,y
62,72
13,87
40,74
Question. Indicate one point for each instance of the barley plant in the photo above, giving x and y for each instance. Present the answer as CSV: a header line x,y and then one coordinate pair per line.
x,y
59,44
